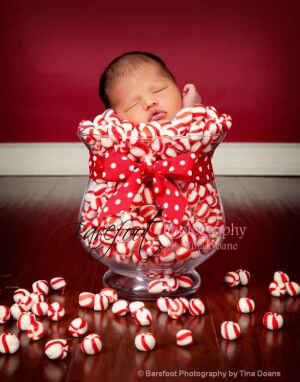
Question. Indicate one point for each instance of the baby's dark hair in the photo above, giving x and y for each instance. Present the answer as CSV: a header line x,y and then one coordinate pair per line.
x,y
120,67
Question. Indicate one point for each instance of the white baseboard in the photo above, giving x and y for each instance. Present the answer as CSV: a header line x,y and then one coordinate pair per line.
x,y
259,159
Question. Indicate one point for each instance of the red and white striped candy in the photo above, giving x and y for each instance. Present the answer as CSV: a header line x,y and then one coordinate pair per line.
x,y
232,279
19,294
36,331
281,277
145,341
25,321
157,286
78,327
172,283
245,305
58,283
175,308
292,288
277,289
41,287
120,307
162,304
196,307
165,240
91,344
167,255
86,299
184,337
111,293
135,305
188,240
183,253
40,308
4,314
185,303
9,343
142,316
101,302
26,301
244,276
17,309
202,210
148,211
185,281
36,297
56,311
272,321
230,330
56,349
156,229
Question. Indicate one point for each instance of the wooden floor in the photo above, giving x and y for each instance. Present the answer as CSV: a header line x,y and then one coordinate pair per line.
x,y
38,224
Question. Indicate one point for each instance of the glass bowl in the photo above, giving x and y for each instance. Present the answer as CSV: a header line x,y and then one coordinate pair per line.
x,y
150,250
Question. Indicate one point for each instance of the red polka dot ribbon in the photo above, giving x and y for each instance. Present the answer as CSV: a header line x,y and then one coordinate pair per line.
x,y
117,167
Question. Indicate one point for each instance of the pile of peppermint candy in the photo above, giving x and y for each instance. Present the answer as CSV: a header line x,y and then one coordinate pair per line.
x,y
183,189
30,305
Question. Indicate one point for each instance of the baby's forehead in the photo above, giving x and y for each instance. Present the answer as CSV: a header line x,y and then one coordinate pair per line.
x,y
149,69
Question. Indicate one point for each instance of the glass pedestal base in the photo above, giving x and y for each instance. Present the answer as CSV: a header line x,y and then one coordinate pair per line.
x,y
135,288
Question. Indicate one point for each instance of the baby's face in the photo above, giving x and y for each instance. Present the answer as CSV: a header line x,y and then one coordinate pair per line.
x,y
146,94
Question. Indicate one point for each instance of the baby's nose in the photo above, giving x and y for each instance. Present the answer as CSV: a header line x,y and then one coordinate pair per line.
x,y
149,102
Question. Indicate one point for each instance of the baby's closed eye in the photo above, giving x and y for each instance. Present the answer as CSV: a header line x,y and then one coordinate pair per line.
x,y
159,90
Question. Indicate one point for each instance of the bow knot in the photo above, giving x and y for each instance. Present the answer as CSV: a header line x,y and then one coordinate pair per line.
x,y
163,173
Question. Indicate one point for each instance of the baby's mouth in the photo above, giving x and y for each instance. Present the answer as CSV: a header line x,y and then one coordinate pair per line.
x,y
157,115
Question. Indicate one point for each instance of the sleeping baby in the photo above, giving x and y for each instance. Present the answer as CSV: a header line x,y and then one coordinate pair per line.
x,y
139,87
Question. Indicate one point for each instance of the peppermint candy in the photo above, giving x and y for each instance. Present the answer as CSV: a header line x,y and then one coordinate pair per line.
x,y
185,304
245,305
86,299
41,287
230,330
162,304
175,308
184,337
145,341
157,286
56,349
196,307
120,307
36,297
58,283
91,344
277,289
78,327
19,294
135,305
281,277
101,302
26,320
26,301
111,293
17,309
244,276
9,343
232,279
4,314
142,316
40,308
56,311
273,321
292,288
36,331
185,282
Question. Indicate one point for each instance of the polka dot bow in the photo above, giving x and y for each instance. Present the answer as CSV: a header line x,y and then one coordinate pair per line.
x,y
117,167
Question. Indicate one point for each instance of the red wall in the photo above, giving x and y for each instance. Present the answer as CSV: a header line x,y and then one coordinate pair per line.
x,y
241,54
